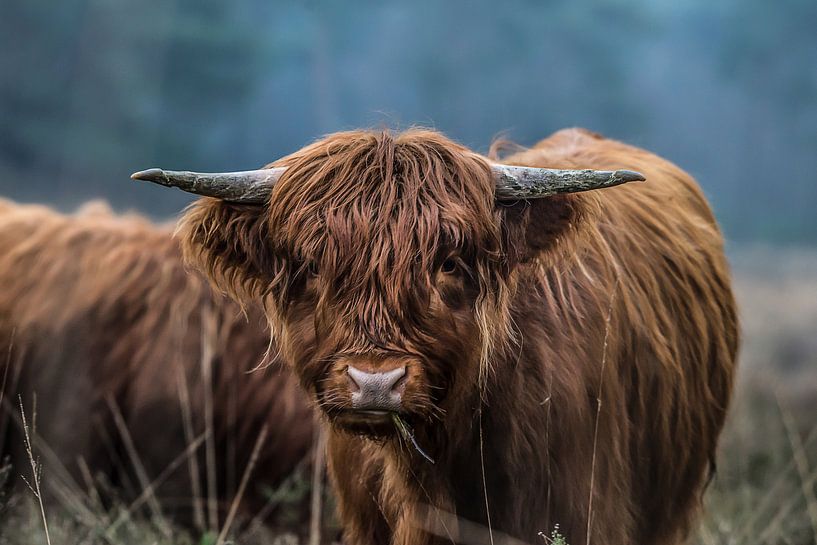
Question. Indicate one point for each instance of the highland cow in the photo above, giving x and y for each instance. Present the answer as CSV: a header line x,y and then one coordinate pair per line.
x,y
500,345
130,361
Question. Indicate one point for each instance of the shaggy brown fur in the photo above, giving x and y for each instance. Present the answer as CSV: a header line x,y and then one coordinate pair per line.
x,y
97,306
569,359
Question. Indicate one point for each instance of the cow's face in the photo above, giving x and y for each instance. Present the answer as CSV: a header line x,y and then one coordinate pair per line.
x,y
385,267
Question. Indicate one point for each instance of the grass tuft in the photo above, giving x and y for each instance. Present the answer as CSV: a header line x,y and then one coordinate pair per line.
x,y
407,434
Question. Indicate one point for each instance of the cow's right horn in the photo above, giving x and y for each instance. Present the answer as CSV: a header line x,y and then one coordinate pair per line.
x,y
247,187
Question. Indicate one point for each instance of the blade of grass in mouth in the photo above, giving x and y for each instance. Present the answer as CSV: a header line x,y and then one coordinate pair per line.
x,y
405,431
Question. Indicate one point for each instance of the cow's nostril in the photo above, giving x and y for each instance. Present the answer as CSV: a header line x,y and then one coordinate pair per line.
x,y
382,381
376,390
353,385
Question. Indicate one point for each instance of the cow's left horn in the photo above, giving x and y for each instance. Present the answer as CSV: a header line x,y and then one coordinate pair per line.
x,y
515,183
248,187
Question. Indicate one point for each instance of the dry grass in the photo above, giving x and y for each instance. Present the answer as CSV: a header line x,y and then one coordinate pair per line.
x,y
25,519
765,491
36,468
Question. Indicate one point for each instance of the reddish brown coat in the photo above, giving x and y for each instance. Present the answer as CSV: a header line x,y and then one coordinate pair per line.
x,y
574,369
96,306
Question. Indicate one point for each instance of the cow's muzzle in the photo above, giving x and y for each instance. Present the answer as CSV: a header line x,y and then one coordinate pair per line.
x,y
379,391
364,392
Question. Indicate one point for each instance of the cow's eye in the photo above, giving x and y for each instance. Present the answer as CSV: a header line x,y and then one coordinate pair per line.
x,y
312,268
449,266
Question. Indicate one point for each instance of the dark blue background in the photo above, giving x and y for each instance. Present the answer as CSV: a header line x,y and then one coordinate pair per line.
x,y
91,90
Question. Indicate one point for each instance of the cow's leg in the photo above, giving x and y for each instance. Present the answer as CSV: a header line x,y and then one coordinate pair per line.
x,y
357,476
413,526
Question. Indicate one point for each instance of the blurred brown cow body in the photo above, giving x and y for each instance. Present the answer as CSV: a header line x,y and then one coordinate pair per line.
x,y
99,317
565,360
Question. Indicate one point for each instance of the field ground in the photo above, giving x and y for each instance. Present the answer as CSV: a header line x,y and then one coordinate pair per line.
x,y
766,486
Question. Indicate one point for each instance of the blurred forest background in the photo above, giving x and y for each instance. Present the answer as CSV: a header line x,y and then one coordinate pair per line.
x,y
93,90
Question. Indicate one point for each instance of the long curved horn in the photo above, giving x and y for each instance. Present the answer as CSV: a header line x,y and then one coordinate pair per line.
x,y
515,183
512,182
247,187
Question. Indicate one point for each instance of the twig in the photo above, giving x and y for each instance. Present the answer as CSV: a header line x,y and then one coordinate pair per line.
x,y
242,486
36,469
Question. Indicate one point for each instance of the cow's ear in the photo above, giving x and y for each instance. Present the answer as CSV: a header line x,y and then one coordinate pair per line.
x,y
230,244
541,229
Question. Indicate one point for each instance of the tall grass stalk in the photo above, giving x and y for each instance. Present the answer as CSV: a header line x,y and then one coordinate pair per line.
x,y
138,466
208,333
228,522
598,409
316,510
192,461
36,468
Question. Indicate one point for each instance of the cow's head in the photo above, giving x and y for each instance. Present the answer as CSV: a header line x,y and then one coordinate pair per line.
x,y
385,263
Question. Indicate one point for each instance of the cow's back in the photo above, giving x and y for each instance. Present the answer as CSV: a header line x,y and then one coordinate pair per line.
x,y
651,258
